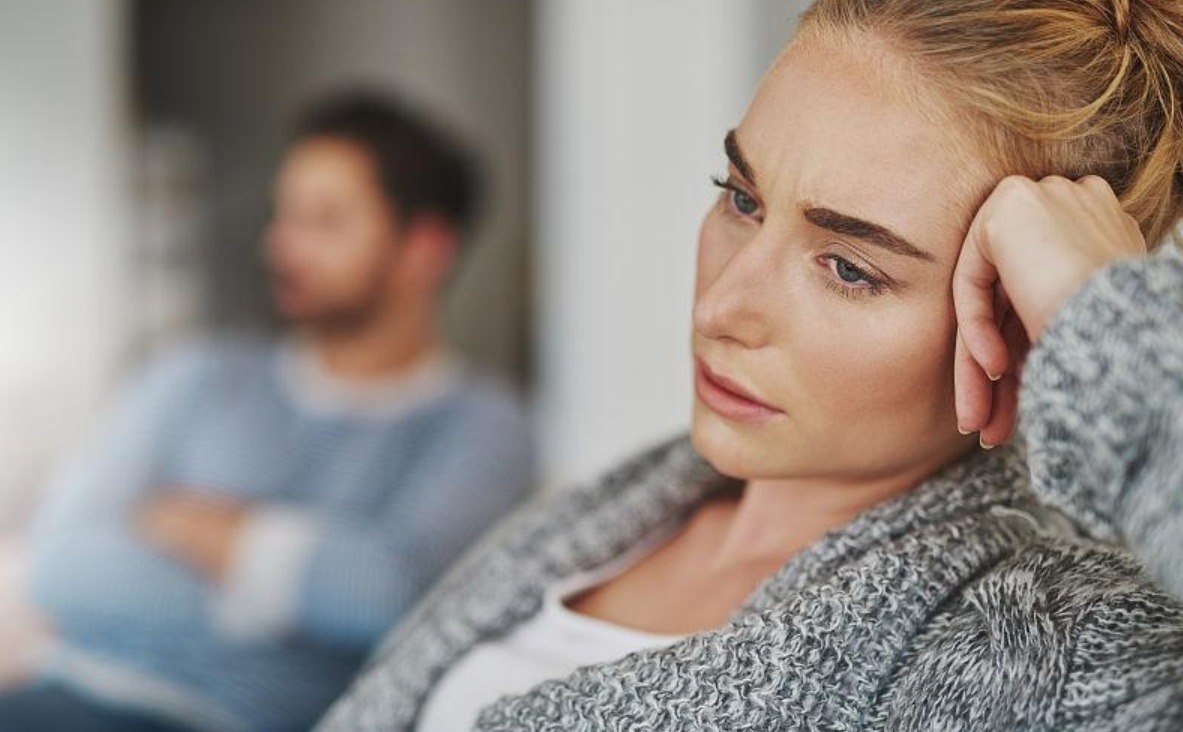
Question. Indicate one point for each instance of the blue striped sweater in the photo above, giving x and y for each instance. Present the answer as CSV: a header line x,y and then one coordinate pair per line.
x,y
377,498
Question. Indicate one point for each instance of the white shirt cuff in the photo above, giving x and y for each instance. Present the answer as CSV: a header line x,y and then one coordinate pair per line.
x,y
260,594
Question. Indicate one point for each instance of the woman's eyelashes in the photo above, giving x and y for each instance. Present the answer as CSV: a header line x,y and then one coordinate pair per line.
x,y
849,280
842,276
740,201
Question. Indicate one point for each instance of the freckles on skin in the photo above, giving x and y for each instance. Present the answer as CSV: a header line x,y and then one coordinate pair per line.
x,y
847,127
871,365
865,380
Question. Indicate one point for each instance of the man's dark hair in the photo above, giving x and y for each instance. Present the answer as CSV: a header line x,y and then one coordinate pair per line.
x,y
421,169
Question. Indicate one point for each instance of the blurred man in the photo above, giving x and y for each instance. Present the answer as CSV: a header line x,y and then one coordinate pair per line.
x,y
257,515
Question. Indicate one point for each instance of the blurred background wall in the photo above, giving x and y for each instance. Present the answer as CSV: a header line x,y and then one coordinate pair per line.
x,y
139,138
65,234
633,102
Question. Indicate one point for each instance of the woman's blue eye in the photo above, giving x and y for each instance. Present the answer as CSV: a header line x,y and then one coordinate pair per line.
x,y
847,272
744,203
849,280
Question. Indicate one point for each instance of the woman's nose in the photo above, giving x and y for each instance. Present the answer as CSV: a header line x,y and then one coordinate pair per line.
x,y
730,306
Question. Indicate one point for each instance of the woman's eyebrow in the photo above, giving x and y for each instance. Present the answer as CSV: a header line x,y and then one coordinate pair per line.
x,y
830,219
867,231
735,155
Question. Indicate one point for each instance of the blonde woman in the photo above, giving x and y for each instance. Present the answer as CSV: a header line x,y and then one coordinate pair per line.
x,y
849,540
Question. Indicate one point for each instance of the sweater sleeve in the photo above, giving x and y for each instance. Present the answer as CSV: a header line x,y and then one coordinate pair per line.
x,y
1102,410
87,566
356,577
1125,673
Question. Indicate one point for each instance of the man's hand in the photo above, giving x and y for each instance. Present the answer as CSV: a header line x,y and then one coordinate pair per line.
x,y
1031,245
199,531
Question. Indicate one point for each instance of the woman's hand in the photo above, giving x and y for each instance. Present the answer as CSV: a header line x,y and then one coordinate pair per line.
x,y
1030,246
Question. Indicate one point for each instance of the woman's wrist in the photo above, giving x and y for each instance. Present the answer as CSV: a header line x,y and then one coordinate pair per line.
x,y
1092,381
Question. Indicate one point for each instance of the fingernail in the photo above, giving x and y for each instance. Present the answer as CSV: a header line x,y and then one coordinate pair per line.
x,y
985,445
994,377
964,432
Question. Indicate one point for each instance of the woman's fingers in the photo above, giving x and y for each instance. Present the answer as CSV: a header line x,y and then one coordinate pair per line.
x,y
981,355
975,302
1005,395
972,390
1029,247
1004,400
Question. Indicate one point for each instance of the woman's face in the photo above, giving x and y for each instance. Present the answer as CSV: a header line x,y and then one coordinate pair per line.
x,y
823,318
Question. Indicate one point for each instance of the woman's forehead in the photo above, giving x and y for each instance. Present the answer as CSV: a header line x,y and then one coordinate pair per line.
x,y
831,124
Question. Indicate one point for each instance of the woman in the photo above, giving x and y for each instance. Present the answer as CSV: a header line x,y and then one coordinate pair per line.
x,y
919,189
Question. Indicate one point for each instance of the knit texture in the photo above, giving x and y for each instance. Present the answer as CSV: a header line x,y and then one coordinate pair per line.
x,y
961,605
1103,409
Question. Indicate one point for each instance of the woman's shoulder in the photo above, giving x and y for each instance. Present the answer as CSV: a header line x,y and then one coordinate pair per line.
x,y
1060,633
571,528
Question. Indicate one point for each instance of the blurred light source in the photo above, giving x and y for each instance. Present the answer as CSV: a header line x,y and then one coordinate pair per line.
x,y
64,204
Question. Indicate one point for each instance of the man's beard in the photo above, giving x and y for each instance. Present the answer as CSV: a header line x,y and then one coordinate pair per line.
x,y
340,319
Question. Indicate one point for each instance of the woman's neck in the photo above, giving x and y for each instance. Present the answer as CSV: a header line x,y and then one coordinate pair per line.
x,y
772,520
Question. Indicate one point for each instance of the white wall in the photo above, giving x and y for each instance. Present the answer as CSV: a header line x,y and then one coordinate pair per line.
x,y
634,99
63,205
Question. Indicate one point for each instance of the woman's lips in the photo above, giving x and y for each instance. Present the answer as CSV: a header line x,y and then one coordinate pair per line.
x,y
728,399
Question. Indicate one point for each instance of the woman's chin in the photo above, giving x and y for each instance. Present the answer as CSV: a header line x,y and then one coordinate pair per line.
x,y
731,453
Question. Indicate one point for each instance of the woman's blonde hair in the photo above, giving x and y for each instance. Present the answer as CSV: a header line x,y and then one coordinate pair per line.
x,y
1051,87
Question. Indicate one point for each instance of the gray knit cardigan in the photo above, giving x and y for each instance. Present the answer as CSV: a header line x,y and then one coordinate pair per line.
x,y
965,604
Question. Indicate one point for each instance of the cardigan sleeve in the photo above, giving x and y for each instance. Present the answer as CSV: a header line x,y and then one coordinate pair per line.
x,y
1125,671
1101,406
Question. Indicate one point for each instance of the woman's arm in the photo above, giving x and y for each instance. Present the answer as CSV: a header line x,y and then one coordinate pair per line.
x,y
1102,409
1102,399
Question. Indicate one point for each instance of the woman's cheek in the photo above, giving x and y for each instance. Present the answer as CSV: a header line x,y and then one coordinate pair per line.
x,y
884,364
920,369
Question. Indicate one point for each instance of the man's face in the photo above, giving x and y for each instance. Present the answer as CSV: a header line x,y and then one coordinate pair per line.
x,y
332,246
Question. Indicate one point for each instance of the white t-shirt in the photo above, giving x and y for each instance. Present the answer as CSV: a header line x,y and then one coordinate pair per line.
x,y
550,645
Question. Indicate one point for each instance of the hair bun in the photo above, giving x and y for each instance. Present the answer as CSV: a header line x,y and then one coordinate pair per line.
x,y
1121,19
